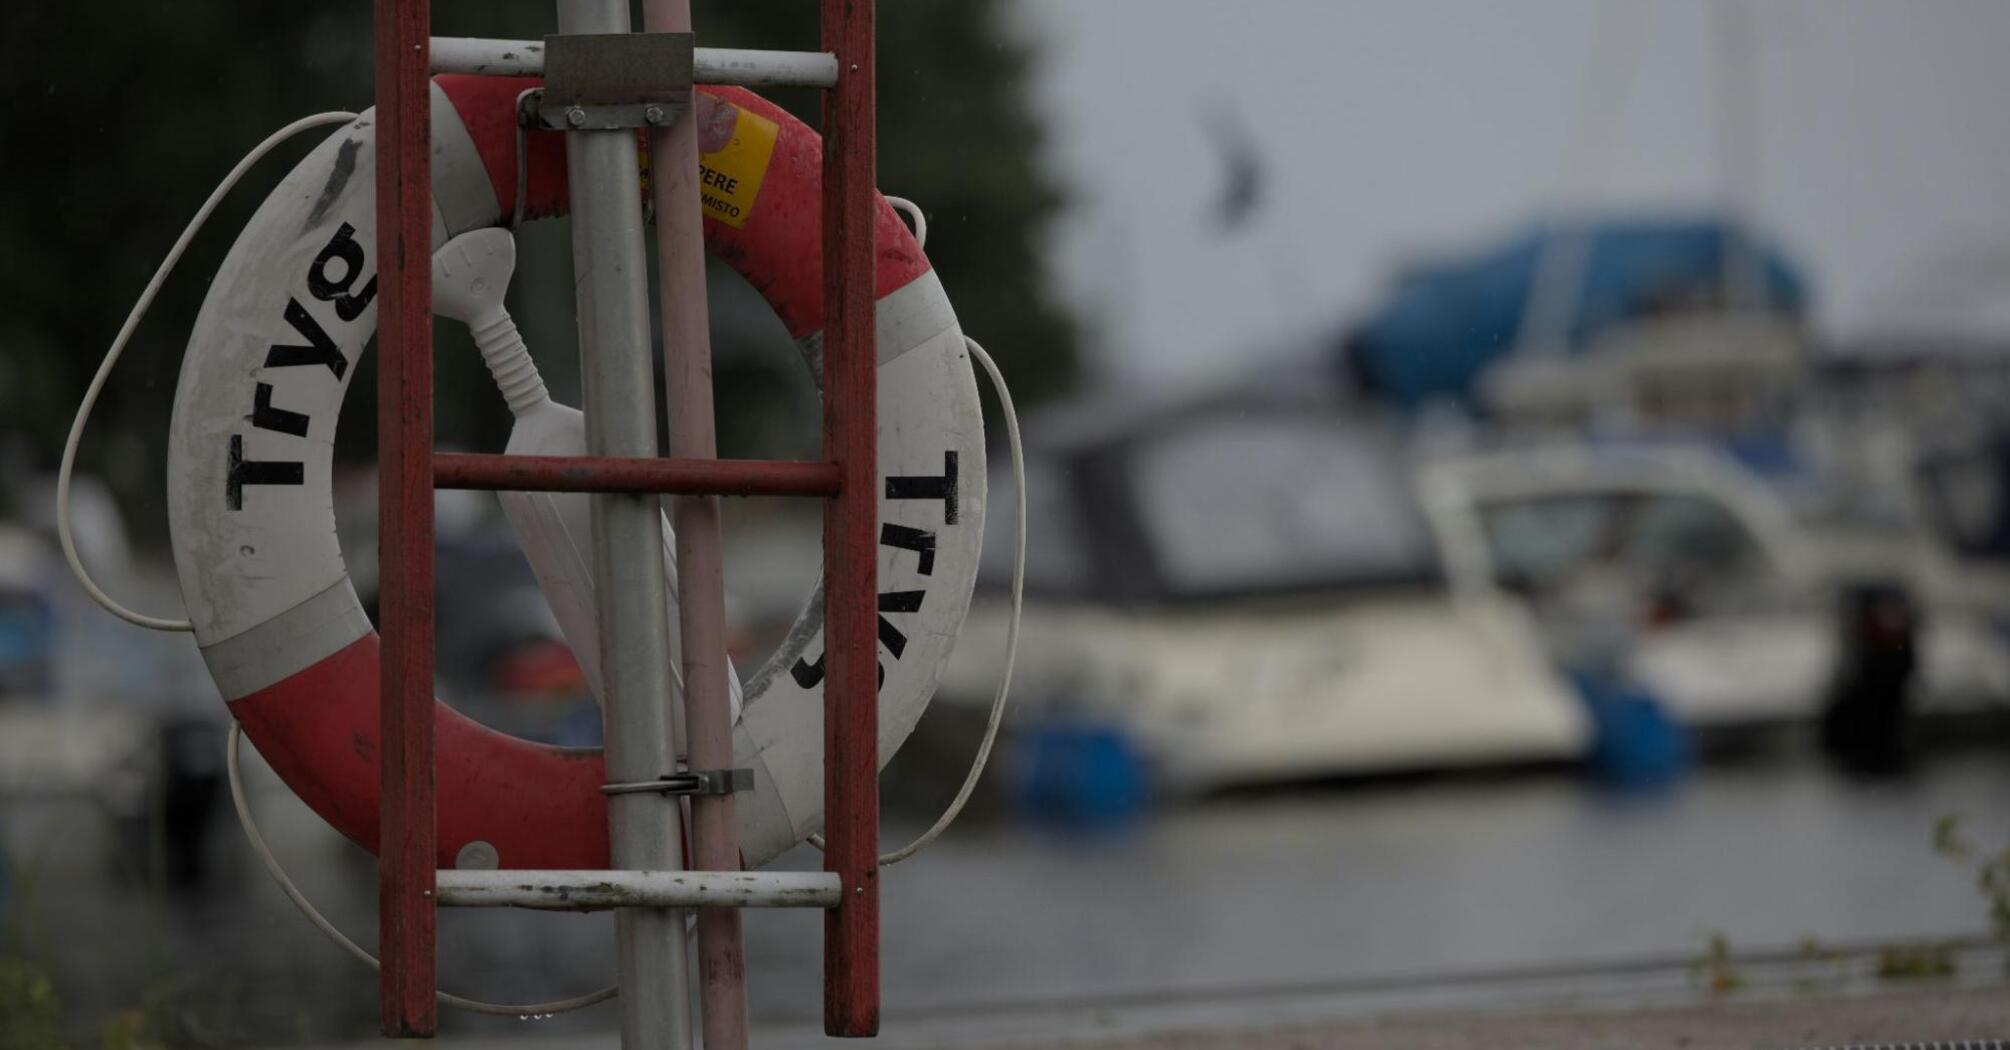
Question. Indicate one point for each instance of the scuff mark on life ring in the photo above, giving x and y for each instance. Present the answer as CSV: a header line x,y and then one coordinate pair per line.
x,y
338,180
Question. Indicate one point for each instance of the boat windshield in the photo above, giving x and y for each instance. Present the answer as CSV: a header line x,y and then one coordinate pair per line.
x,y
1686,550
1252,502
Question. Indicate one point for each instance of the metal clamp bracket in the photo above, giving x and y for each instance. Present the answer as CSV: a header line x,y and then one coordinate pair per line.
x,y
610,81
696,782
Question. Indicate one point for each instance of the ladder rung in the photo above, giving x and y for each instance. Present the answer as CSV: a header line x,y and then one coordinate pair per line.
x,y
593,890
709,65
691,477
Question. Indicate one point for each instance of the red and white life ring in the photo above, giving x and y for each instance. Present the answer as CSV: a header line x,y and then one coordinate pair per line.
x,y
252,517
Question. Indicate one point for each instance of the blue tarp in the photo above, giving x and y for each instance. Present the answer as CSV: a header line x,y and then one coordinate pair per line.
x,y
1444,323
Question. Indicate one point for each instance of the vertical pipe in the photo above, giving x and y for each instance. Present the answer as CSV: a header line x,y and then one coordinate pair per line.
x,y
1556,288
851,730
1738,145
610,278
687,380
405,845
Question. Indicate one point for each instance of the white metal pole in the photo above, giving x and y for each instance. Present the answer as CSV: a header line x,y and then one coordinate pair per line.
x,y
710,65
610,278
591,890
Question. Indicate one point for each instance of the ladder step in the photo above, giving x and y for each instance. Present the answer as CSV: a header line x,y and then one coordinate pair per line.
x,y
690,477
709,65
594,890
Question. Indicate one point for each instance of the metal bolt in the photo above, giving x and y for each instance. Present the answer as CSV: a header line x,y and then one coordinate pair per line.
x,y
575,117
653,115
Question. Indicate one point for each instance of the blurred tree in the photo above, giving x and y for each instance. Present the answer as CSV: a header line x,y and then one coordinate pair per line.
x,y
122,118
122,121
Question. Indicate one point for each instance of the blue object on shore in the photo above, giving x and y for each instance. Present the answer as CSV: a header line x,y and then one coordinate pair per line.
x,y
1635,745
1078,776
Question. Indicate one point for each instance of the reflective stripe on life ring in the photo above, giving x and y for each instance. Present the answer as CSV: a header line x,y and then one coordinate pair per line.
x,y
252,515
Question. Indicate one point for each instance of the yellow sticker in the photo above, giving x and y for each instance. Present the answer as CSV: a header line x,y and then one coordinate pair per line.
x,y
729,177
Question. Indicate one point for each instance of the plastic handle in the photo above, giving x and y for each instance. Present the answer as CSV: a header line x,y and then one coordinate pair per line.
x,y
470,277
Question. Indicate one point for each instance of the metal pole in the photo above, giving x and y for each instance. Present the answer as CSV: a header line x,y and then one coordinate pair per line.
x,y
1738,143
610,278
406,830
851,686
687,380
711,65
591,890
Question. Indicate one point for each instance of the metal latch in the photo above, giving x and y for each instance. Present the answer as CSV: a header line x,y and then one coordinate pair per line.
x,y
695,782
610,81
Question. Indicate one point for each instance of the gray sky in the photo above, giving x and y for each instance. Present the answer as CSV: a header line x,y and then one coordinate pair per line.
x,y
1397,129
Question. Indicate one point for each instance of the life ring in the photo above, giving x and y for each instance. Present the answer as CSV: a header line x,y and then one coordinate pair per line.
x,y
250,509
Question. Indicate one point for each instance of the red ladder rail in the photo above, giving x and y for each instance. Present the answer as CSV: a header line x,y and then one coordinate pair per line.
x,y
410,470
705,477
851,688
406,918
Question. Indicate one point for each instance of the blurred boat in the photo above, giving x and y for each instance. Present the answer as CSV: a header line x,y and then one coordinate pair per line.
x,y
94,711
1274,583
1731,600
1598,371
1246,586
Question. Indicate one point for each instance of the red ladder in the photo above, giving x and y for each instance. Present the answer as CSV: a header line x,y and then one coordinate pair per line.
x,y
410,471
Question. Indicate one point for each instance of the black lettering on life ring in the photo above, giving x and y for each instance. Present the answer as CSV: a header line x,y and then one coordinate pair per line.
x,y
265,416
342,246
319,350
808,674
929,486
240,472
902,537
900,486
900,602
920,541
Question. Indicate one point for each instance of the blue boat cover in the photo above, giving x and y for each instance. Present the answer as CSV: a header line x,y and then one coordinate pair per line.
x,y
1444,323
